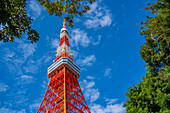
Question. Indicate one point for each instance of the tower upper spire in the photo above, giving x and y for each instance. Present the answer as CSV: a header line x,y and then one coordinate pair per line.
x,y
64,49
64,28
64,23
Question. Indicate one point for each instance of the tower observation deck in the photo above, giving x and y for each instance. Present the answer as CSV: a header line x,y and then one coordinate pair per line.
x,y
63,94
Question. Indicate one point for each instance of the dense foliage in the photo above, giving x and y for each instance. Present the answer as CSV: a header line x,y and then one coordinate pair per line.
x,y
14,20
69,8
152,94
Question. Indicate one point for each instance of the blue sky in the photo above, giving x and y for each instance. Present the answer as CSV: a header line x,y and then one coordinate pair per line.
x,y
105,42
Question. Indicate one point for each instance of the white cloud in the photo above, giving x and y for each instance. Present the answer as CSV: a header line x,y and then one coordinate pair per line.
x,y
55,43
44,59
48,58
110,101
87,61
76,20
7,110
89,84
25,79
96,43
21,100
107,72
23,91
98,16
11,59
34,107
106,19
5,103
97,108
44,84
75,53
3,87
35,9
8,54
79,37
32,68
110,108
90,77
93,7
90,93
27,48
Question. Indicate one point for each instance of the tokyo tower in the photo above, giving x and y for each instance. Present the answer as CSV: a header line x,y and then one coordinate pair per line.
x,y
63,94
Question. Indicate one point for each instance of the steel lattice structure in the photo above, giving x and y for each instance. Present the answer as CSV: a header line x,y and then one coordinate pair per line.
x,y
63,94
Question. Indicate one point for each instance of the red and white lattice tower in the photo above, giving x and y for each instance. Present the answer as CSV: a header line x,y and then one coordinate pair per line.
x,y
63,94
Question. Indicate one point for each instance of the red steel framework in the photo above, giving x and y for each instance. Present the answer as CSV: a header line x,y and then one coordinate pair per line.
x,y
63,94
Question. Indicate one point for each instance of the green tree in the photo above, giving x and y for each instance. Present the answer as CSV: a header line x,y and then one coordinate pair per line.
x,y
69,8
14,20
152,94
